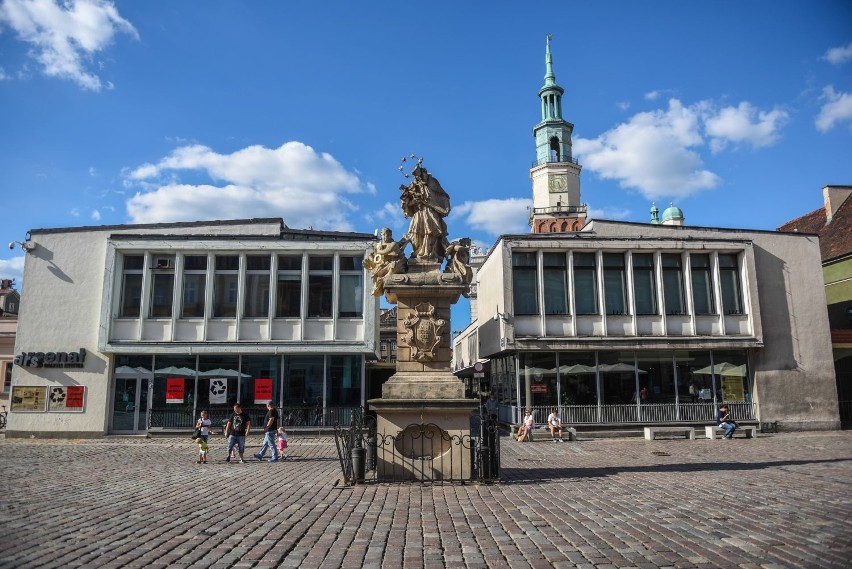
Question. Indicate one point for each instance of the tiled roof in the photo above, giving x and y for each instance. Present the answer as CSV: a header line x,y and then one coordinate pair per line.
x,y
835,237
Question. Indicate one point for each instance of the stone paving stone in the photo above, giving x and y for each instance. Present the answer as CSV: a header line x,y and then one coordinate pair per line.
x,y
776,501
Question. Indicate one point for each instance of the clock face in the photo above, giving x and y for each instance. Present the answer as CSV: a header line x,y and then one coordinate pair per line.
x,y
558,183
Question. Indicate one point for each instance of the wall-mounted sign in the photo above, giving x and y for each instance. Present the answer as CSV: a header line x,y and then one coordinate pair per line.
x,y
28,399
538,388
174,390
218,390
69,399
262,390
51,359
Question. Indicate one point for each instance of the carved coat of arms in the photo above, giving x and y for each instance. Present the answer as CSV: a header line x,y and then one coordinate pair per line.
x,y
424,332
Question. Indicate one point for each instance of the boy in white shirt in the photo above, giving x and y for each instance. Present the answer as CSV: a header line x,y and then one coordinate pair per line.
x,y
555,424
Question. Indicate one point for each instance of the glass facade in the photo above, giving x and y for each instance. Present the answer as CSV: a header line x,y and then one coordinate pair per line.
x,y
585,283
131,286
524,291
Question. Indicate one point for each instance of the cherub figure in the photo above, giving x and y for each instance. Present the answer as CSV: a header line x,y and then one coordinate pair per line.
x,y
387,259
458,259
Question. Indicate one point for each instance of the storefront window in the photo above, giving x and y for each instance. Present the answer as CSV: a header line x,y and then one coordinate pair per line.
x,y
264,369
351,293
695,377
614,284
344,381
644,283
257,286
174,391
303,381
289,296
320,289
524,292
673,283
656,377
194,285
225,286
729,275
538,380
702,284
618,377
585,284
731,373
218,384
555,283
503,380
131,286
577,379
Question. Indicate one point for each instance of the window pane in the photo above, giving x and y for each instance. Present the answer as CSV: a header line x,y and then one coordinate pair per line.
x,y
227,262
702,286
162,291
290,263
319,296
131,295
524,293
193,295
134,262
555,284
258,262
351,296
321,263
257,295
195,263
673,283
289,303
351,263
225,295
729,274
644,287
614,283
585,287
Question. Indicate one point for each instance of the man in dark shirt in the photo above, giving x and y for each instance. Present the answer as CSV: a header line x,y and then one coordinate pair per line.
x,y
726,422
237,429
270,428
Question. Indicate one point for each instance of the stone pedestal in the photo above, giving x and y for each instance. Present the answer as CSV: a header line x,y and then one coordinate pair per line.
x,y
423,417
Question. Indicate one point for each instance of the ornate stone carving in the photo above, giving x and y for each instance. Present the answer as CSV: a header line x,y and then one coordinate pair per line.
x,y
425,332
387,259
458,257
426,203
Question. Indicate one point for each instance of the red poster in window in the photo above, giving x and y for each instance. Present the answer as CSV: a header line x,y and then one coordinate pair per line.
x,y
262,390
538,388
74,396
174,390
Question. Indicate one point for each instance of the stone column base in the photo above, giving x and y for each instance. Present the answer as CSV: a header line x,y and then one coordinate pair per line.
x,y
423,439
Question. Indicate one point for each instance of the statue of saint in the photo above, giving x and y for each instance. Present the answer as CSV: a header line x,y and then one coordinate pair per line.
x,y
387,259
458,257
426,203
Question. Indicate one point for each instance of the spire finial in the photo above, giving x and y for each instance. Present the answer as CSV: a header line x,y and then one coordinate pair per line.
x,y
549,77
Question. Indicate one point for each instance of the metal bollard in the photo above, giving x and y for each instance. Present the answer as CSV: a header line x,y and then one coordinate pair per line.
x,y
358,461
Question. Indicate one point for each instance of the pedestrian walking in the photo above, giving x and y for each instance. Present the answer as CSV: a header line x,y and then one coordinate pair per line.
x,y
282,443
202,425
237,429
270,427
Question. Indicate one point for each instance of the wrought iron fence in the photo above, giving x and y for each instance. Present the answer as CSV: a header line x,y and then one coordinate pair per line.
x,y
183,416
419,453
632,413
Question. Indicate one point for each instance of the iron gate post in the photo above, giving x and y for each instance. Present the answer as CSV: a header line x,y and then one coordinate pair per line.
x,y
358,460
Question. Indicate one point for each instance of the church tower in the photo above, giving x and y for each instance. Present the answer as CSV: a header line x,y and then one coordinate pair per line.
x,y
555,174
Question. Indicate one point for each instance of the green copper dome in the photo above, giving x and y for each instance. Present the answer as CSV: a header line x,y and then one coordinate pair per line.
x,y
672,212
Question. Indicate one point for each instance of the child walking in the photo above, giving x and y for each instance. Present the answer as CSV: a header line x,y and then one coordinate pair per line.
x,y
282,443
202,450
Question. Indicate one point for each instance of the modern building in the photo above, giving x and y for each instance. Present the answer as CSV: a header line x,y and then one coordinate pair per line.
x,y
833,224
10,300
135,328
626,323
380,370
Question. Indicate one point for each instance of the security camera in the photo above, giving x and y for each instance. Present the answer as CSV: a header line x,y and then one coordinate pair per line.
x,y
12,245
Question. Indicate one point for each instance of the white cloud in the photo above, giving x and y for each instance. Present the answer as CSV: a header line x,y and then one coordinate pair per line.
x,y
839,55
96,215
652,153
496,217
652,95
389,215
623,105
292,181
3,75
609,213
837,109
65,36
75,211
13,269
93,172
744,124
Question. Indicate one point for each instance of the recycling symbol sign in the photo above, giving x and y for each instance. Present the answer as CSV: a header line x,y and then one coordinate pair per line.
x,y
218,390
57,395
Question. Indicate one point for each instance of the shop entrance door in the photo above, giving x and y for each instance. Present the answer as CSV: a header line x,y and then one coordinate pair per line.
x,y
130,405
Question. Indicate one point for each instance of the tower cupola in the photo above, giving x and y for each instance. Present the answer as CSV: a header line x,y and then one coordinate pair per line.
x,y
555,173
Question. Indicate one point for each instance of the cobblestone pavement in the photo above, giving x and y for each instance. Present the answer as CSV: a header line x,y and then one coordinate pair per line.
x,y
776,501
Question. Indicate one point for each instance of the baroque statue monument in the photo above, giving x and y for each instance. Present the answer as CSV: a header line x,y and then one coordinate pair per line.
x,y
424,284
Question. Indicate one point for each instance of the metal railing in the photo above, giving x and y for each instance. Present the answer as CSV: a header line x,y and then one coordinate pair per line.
x,y
554,160
182,417
630,413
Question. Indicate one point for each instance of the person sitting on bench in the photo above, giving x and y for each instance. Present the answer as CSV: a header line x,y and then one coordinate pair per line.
x,y
555,424
527,425
726,422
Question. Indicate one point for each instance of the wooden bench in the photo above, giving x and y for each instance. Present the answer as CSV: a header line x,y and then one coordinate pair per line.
x,y
749,430
651,432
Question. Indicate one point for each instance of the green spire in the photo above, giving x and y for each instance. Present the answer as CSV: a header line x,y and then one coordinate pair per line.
x,y
549,77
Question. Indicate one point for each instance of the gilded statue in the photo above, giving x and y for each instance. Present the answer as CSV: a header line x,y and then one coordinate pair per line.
x,y
426,203
387,259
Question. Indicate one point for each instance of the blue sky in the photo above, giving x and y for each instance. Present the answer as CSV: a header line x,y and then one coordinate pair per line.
x,y
120,112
